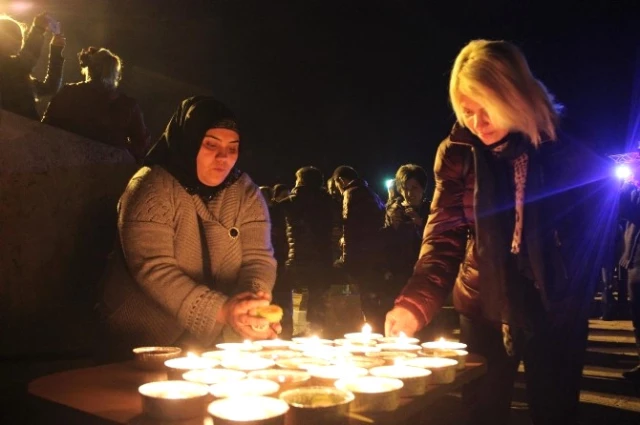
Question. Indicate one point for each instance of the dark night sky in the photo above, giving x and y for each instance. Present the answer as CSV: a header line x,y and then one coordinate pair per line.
x,y
356,82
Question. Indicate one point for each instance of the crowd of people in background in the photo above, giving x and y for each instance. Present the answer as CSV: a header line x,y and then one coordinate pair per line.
x,y
201,247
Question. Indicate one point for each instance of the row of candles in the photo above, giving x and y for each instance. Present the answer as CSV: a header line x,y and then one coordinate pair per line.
x,y
365,368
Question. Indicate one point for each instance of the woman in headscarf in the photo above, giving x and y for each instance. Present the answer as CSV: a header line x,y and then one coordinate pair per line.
x,y
195,257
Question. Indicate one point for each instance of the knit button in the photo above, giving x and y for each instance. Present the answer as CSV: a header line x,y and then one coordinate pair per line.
x,y
234,232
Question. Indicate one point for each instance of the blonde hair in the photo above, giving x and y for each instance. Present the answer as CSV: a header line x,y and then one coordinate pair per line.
x,y
101,65
10,28
496,75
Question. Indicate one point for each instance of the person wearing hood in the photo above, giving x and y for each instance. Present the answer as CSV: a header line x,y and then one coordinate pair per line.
x,y
194,259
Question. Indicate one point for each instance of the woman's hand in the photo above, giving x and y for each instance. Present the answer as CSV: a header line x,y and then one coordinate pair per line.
x,y
239,312
47,23
414,216
400,320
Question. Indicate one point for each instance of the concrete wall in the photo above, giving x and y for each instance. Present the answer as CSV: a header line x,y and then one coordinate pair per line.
x,y
58,196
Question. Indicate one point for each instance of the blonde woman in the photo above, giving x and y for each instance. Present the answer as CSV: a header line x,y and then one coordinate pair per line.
x,y
499,218
96,109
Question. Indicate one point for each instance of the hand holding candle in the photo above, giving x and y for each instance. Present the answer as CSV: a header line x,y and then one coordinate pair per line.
x,y
401,320
237,313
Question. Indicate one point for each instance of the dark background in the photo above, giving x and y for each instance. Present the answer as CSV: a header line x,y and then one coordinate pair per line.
x,y
356,82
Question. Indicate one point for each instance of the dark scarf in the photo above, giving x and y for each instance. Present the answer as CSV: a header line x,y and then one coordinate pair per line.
x,y
178,147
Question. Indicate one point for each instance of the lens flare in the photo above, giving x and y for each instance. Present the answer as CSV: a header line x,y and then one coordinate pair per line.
x,y
623,172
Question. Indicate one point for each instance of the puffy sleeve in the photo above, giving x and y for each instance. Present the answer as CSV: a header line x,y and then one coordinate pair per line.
x,y
444,239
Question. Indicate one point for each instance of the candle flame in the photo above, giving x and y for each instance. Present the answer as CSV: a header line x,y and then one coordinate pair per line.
x,y
192,355
442,339
402,335
366,329
281,378
398,362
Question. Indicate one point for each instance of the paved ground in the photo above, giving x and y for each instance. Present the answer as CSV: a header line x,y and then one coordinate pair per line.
x,y
606,398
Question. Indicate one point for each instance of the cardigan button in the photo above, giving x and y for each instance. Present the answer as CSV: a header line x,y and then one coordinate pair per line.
x,y
234,233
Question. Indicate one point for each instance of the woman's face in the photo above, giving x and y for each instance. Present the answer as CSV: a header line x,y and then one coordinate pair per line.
x,y
217,156
479,122
412,192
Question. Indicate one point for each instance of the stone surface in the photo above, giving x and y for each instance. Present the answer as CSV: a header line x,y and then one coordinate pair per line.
x,y
58,196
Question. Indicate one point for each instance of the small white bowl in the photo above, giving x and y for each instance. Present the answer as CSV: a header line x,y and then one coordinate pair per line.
x,y
302,363
254,410
239,346
393,346
247,364
328,375
173,400
415,379
274,344
373,394
444,345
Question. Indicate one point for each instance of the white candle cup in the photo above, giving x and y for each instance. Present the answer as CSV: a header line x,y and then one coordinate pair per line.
x,y
274,344
443,344
218,354
313,340
360,361
247,363
244,387
318,405
415,379
399,340
323,352
392,357
178,366
328,375
372,393
358,349
345,341
239,346
278,354
153,358
443,370
174,400
248,410
286,378
362,337
397,346
213,376
459,355
302,363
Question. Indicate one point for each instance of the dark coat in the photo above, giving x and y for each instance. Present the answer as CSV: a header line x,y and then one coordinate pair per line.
x,y
630,215
568,232
18,87
309,217
98,113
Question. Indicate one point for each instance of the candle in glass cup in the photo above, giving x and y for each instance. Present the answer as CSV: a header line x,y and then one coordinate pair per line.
x,y
173,400
248,409
364,336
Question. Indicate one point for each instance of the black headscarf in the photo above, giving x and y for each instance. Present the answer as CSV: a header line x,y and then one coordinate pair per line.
x,y
178,147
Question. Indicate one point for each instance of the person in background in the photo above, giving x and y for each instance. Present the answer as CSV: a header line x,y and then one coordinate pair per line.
x,y
520,261
194,259
362,220
308,218
406,216
629,264
19,55
96,109
280,191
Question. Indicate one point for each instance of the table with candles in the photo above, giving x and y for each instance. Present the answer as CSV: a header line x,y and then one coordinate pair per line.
x,y
363,378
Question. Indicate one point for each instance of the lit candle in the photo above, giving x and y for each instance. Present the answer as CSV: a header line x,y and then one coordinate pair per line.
x,y
398,346
443,369
359,348
287,379
415,379
313,340
327,375
247,386
239,346
247,362
279,354
176,367
390,357
443,344
274,344
402,338
303,363
254,409
213,376
365,335
372,393
459,355
173,400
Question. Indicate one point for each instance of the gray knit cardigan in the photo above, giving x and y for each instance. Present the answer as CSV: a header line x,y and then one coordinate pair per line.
x,y
182,258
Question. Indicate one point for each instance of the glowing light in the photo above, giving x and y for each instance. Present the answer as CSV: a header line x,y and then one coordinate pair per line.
x,y
20,6
366,329
389,182
623,172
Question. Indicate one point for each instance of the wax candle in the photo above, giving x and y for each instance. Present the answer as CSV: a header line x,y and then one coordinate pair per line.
x,y
443,369
247,363
287,379
213,376
274,344
327,375
239,346
254,409
372,393
249,386
365,335
443,344
402,338
176,367
390,357
415,379
398,346
173,400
